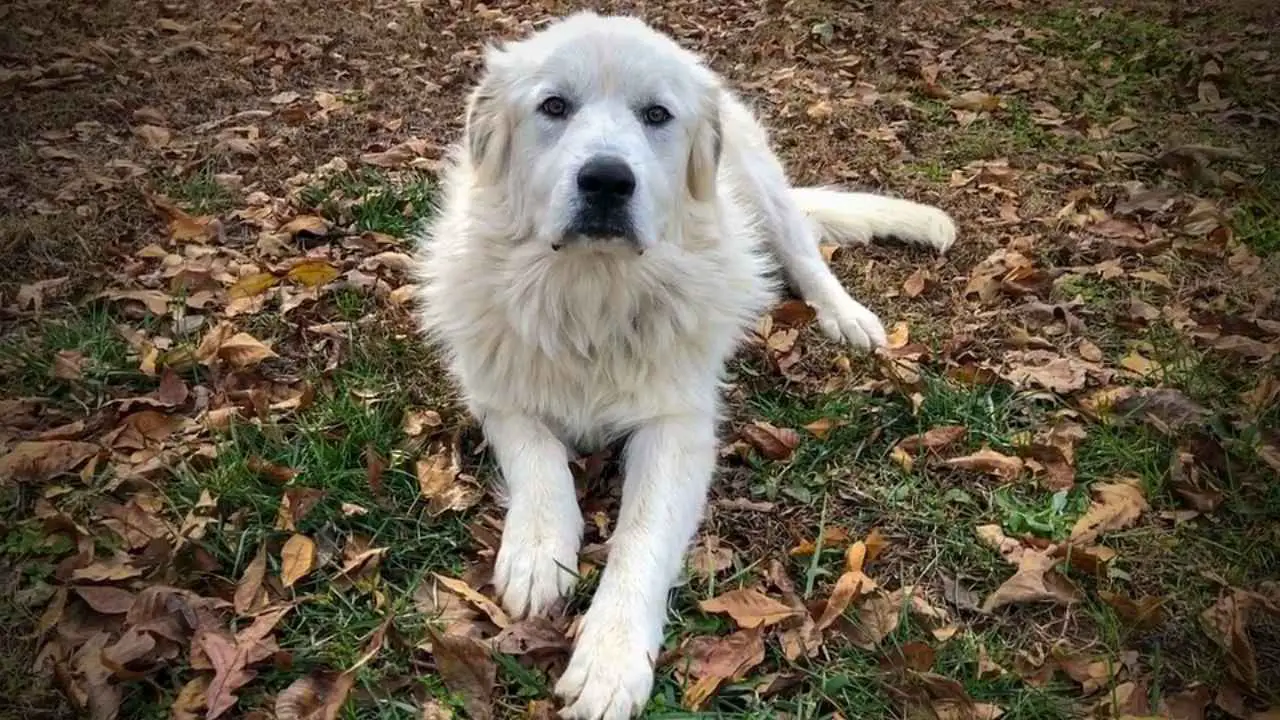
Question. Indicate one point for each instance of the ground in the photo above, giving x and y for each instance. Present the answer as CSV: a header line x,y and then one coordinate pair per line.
x,y
235,484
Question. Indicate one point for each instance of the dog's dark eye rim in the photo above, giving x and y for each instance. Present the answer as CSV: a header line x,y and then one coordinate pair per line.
x,y
656,115
554,106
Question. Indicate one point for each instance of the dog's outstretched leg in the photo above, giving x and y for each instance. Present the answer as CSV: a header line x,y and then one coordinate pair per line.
x,y
669,465
537,563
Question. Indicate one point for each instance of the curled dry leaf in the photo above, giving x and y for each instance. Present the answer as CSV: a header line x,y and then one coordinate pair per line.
x,y
442,483
934,439
313,225
464,591
242,351
709,558
297,559
749,608
318,696
1227,623
531,635
773,442
1116,506
709,661
975,101
1036,580
990,462
249,594
468,670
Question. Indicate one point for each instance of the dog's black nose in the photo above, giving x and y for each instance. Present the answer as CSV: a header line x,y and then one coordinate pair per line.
x,y
607,178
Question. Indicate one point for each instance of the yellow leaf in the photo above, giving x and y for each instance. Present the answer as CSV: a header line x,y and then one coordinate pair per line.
x,y
312,273
243,350
251,285
1116,506
296,558
463,590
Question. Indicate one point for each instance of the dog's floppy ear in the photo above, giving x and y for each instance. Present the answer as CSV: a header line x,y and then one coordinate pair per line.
x,y
488,129
704,156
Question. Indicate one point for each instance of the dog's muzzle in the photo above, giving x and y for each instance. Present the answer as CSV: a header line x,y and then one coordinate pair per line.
x,y
603,211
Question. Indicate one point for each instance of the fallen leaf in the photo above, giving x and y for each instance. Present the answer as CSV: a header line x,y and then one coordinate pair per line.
x,y
106,599
849,586
41,460
774,443
243,351
487,606
251,285
267,470
1035,580
749,608
709,661
297,558
708,558
441,482
916,283
1144,613
989,461
249,594
934,439
317,696
1226,622
312,273
1116,506
306,225
531,635
467,669
68,365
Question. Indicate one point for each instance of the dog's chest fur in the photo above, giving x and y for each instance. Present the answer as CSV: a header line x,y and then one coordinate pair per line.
x,y
592,343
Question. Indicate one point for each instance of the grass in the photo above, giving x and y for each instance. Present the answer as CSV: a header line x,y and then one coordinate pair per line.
x,y
847,479
373,201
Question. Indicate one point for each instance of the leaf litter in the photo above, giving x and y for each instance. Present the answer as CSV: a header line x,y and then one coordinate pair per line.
x,y
191,296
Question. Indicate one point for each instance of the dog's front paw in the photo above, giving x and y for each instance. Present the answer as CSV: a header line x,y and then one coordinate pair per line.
x,y
844,319
537,563
610,674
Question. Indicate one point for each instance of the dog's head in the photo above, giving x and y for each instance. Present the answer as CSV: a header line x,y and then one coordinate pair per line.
x,y
598,129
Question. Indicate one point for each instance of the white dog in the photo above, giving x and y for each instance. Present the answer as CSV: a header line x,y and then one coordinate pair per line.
x,y
607,234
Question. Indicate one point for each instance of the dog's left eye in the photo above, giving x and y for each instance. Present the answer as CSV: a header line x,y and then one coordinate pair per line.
x,y
656,115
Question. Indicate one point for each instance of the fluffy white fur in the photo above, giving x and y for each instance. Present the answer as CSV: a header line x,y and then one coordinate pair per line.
x,y
560,351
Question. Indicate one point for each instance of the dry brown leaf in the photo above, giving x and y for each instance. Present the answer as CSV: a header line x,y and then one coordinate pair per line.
x,y
821,427
989,461
1115,506
1061,375
249,595
468,670
243,351
68,365
709,661
106,599
267,470
297,558
934,439
441,482
917,282
531,635
709,558
1227,624
306,225
1144,613
487,606
773,442
749,608
317,696
40,460
1036,580
849,587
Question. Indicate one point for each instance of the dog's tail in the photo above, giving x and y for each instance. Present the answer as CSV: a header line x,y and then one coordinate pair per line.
x,y
849,218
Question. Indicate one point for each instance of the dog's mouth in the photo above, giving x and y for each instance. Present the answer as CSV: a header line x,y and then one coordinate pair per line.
x,y
600,228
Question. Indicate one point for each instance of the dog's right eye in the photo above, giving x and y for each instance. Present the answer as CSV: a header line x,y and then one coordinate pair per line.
x,y
555,107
